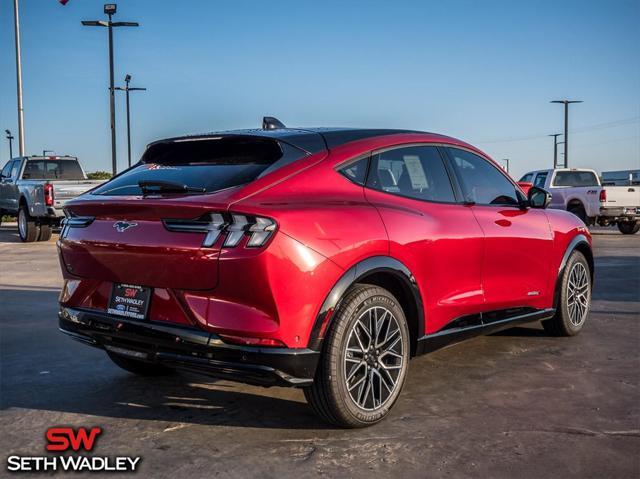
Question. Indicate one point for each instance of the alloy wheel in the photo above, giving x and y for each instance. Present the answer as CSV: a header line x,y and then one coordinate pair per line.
x,y
578,294
373,359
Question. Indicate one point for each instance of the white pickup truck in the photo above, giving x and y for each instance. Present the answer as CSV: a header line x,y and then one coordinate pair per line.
x,y
576,190
35,188
620,200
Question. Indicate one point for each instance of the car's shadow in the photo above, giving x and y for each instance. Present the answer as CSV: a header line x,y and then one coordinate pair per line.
x,y
42,369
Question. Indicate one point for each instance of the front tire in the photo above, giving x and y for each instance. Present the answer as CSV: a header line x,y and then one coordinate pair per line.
x,y
28,229
629,227
365,359
575,298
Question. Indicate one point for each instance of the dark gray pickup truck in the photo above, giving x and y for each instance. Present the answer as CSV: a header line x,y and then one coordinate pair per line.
x,y
35,188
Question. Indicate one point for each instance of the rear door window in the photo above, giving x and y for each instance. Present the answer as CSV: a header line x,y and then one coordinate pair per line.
x,y
415,172
541,179
575,178
208,164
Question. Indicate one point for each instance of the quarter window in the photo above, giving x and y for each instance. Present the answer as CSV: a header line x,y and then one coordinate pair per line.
x,y
416,172
483,183
356,171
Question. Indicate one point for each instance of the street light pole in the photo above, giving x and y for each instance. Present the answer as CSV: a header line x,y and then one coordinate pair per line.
x,y
16,21
555,149
10,138
566,104
127,89
110,10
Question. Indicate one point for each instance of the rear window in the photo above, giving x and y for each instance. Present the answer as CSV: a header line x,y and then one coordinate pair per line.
x,y
575,178
52,170
209,164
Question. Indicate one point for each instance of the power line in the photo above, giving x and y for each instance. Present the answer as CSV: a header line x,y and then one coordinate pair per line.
x,y
597,126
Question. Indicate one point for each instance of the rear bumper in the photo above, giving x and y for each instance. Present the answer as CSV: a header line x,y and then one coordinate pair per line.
x,y
190,349
629,213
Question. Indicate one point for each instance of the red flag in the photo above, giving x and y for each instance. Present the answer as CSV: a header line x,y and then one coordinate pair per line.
x,y
63,2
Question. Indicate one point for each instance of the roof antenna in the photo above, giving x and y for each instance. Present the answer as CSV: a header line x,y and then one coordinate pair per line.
x,y
271,123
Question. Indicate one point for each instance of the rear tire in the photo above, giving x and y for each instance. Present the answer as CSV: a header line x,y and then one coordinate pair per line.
x,y
28,229
578,210
45,233
362,370
575,298
141,368
629,227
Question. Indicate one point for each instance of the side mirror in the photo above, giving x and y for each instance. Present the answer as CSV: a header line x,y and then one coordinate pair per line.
x,y
538,198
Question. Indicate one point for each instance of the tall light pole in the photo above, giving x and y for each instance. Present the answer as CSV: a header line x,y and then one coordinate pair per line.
x,y
555,149
110,10
127,89
10,138
566,104
16,22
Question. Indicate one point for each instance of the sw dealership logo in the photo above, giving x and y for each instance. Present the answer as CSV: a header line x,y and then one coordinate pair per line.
x,y
69,440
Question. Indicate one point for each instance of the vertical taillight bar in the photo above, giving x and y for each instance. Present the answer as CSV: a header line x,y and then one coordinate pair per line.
x,y
48,194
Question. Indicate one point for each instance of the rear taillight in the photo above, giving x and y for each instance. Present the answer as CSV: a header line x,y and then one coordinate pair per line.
x,y
234,226
603,195
48,194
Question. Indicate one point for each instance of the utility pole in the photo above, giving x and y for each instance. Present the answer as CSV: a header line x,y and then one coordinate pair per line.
x,y
110,10
16,22
555,149
10,138
127,89
566,104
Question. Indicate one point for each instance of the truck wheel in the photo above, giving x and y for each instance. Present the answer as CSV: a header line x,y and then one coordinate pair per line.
x,y
141,368
27,226
579,212
45,233
629,227
364,361
575,298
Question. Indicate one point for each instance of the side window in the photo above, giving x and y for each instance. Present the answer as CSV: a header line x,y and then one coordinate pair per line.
x,y
527,178
417,172
14,169
6,171
541,179
484,184
356,171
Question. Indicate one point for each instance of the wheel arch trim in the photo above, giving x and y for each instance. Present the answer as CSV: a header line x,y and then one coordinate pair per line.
x,y
580,243
356,273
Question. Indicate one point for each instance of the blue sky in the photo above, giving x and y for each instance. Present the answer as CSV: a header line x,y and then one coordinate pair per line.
x,y
481,71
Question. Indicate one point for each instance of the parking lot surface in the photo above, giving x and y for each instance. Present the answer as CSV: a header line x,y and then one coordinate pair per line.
x,y
518,403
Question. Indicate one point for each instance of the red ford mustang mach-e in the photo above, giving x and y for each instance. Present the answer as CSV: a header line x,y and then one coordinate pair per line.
x,y
318,258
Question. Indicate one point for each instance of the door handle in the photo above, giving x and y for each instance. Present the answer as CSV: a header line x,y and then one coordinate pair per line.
x,y
503,223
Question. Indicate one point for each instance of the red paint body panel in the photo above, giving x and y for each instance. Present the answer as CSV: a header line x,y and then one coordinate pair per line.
x,y
465,259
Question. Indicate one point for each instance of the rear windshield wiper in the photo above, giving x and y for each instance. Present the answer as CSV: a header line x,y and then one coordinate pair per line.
x,y
150,187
